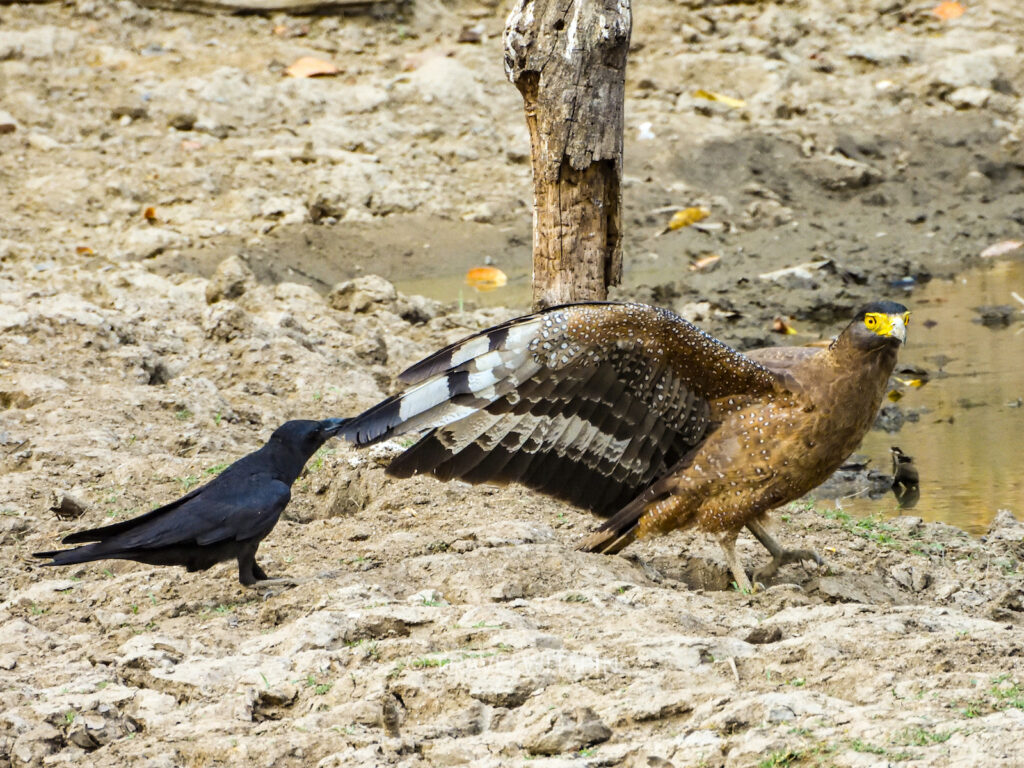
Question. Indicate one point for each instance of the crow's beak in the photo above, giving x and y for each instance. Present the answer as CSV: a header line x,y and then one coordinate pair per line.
x,y
331,427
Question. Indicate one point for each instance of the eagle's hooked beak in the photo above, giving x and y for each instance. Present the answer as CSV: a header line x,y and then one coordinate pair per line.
x,y
898,327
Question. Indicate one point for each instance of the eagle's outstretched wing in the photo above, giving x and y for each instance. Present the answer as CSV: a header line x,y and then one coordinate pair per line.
x,y
586,402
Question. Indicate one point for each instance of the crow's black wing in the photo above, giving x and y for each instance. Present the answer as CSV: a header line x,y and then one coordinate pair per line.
x,y
107,531
246,507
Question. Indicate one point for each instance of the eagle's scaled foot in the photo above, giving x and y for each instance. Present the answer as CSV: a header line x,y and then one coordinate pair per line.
x,y
784,557
780,556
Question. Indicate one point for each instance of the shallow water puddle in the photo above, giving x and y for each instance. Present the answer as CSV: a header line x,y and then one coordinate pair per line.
x,y
968,442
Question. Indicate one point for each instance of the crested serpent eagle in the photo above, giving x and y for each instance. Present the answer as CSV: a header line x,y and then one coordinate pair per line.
x,y
637,415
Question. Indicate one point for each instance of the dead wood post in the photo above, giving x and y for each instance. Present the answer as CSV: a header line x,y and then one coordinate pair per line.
x,y
568,60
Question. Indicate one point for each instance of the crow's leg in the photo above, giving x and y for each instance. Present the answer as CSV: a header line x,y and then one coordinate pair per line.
x,y
779,555
727,540
248,571
252,575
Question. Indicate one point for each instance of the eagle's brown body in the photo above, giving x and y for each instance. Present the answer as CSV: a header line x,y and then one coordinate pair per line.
x,y
637,415
772,449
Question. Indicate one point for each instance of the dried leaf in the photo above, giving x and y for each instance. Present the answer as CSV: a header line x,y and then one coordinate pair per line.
x,y
687,216
149,214
308,66
486,279
781,326
721,98
283,30
705,262
84,250
413,61
805,271
947,11
895,395
910,382
1002,248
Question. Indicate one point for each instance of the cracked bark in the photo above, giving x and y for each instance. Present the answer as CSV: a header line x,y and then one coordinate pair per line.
x,y
568,60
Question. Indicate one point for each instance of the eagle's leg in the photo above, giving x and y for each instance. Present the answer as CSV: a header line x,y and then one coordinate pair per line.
x,y
727,540
780,556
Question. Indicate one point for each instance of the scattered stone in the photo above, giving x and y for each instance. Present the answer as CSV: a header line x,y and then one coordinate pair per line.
x,y
147,241
445,80
976,182
836,172
427,597
41,42
363,294
132,113
566,731
227,321
996,316
508,683
890,418
33,747
853,588
762,635
182,121
42,142
7,123
976,69
23,390
910,577
231,280
66,506
417,309
969,97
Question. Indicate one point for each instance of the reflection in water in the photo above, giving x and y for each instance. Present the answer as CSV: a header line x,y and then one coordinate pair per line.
x,y
968,444
906,482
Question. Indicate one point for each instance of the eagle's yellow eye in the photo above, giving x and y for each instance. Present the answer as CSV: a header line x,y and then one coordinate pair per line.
x,y
870,322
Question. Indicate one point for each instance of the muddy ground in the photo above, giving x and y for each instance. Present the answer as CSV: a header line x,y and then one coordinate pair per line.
x,y
441,624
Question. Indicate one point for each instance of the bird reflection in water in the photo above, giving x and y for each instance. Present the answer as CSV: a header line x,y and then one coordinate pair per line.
x,y
905,480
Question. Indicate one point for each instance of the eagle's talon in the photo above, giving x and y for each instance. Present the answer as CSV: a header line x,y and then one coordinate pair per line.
x,y
785,557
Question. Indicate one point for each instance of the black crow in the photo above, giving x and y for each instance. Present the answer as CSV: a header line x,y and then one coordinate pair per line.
x,y
224,519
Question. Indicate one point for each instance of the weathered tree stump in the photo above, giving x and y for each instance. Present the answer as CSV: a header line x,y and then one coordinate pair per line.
x,y
568,60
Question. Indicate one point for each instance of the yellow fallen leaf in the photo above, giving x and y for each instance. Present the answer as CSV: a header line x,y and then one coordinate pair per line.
x,y
895,395
705,262
910,382
486,279
947,11
687,216
84,250
309,66
781,326
729,101
149,214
